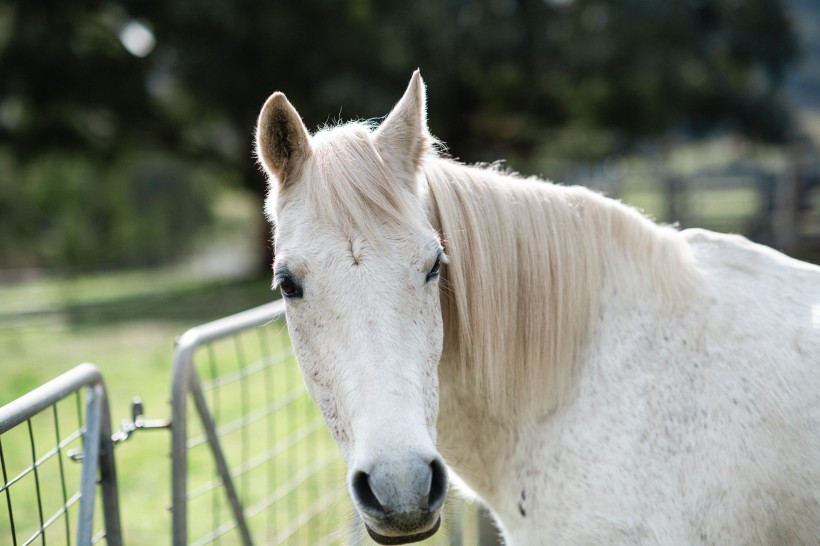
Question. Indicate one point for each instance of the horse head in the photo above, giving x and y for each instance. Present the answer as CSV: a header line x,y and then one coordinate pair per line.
x,y
357,262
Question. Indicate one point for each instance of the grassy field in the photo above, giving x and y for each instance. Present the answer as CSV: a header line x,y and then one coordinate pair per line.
x,y
125,324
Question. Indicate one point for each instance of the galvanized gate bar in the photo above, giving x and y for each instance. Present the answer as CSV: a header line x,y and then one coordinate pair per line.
x,y
219,456
108,472
181,381
91,451
32,403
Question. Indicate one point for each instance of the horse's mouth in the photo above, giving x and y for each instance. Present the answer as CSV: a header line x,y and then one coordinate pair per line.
x,y
404,539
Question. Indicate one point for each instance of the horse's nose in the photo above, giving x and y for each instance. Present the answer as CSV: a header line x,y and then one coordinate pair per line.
x,y
406,487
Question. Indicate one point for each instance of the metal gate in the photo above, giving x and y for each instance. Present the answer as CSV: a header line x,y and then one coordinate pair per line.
x,y
42,435
252,461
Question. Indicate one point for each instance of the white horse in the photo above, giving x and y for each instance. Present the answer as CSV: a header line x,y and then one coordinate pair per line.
x,y
592,377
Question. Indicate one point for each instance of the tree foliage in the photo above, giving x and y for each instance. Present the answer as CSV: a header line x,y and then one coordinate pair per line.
x,y
141,210
503,75
497,69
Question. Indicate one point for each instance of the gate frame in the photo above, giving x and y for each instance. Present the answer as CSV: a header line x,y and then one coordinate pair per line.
x,y
185,380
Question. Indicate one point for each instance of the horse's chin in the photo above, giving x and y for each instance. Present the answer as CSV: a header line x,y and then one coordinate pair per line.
x,y
404,539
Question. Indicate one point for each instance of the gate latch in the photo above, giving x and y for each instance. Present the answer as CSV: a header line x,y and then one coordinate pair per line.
x,y
129,427
137,422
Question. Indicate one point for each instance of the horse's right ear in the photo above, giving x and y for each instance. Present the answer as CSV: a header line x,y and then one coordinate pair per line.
x,y
282,141
403,139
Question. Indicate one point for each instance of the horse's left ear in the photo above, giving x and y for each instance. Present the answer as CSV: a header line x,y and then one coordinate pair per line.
x,y
402,139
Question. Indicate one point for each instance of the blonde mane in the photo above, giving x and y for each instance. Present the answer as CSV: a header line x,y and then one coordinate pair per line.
x,y
528,262
348,183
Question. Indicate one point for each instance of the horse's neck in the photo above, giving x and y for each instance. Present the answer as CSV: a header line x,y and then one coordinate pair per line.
x,y
537,273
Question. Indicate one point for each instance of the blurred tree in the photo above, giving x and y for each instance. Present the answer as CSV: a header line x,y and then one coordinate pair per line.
x,y
69,213
189,76
497,68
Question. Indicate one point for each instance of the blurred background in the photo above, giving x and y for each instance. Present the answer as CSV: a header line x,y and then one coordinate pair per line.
x,y
130,203
125,126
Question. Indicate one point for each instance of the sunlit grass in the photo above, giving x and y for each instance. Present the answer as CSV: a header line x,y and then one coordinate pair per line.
x,y
131,339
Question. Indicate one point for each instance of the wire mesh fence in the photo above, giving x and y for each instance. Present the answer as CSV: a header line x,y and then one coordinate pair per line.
x,y
54,450
253,462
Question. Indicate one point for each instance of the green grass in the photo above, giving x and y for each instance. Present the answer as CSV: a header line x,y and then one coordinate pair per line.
x,y
125,324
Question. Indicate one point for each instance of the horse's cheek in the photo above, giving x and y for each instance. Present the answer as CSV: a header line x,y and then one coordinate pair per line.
x,y
336,426
310,356
321,391
431,368
432,404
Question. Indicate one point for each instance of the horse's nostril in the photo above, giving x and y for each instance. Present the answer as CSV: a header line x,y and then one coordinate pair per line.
x,y
438,485
364,495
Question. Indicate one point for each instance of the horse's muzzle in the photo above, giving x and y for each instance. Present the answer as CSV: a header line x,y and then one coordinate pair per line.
x,y
400,503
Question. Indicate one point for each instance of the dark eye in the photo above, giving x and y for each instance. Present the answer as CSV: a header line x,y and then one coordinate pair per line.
x,y
434,271
289,287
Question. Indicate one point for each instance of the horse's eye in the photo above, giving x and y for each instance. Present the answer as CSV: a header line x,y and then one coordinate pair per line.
x,y
434,271
289,287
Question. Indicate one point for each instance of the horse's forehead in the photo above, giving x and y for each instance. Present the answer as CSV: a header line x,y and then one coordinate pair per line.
x,y
301,222
315,238
315,242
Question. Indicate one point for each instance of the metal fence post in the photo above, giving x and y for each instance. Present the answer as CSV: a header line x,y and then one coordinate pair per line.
x,y
108,475
91,450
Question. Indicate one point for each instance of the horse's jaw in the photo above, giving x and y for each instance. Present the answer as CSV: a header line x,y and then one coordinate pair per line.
x,y
404,539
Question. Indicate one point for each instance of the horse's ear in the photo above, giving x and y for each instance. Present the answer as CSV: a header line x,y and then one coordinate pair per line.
x,y
282,141
402,139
